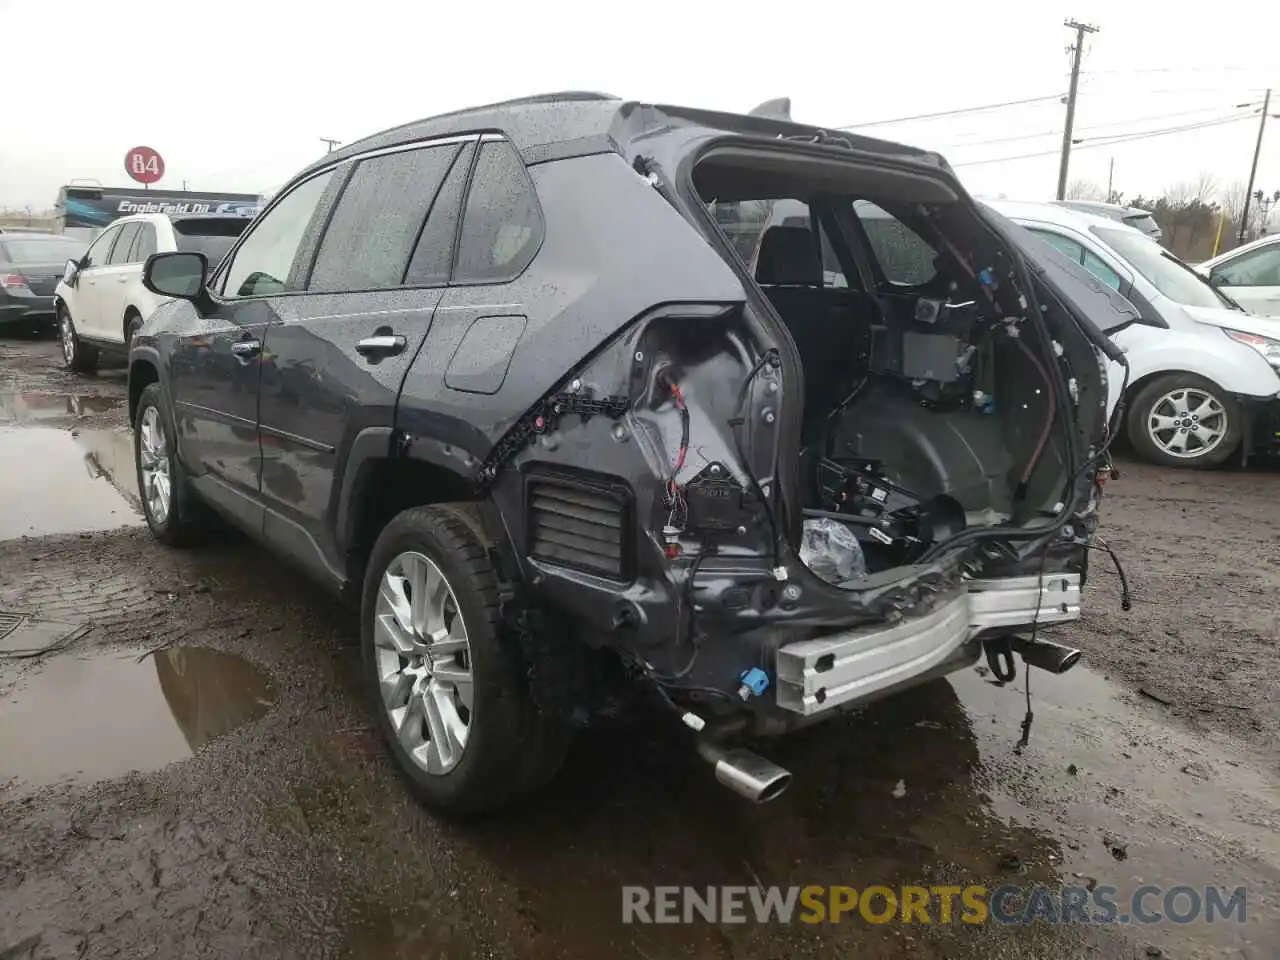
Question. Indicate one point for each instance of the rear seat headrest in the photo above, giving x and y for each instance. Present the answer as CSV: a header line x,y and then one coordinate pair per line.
x,y
788,255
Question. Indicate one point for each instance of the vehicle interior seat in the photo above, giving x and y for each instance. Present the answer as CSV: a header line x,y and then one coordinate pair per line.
x,y
830,325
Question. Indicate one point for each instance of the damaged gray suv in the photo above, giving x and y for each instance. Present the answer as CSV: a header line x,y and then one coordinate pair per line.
x,y
590,401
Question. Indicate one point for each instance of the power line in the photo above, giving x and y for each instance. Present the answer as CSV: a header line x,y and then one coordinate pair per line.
x,y
951,113
1096,126
1111,141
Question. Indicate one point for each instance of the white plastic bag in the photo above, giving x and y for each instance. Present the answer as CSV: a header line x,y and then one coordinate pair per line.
x,y
831,551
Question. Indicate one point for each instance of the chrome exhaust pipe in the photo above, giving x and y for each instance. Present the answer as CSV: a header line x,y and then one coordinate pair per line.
x,y
745,773
1045,654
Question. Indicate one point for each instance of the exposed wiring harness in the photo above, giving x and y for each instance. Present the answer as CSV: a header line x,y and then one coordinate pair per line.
x,y
1050,414
678,509
773,359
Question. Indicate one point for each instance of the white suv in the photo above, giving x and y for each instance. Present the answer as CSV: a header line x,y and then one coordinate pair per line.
x,y
101,301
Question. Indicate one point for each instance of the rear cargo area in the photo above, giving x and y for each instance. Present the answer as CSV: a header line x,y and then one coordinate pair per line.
x,y
930,404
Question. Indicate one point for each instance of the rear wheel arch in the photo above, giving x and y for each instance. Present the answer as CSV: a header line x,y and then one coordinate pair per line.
x,y
378,485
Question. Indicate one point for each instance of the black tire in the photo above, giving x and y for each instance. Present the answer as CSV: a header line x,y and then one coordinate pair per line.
x,y
133,322
1146,403
77,356
180,525
511,747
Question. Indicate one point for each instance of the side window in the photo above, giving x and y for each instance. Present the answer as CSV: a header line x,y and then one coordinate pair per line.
x,y
145,245
120,252
1261,268
1065,245
905,258
96,255
376,222
264,262
1099,269
433,256
502,226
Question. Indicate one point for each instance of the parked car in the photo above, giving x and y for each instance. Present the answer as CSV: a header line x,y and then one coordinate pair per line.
x,y
1249,275
100,299
30,265
518,393
1135,217
1203,372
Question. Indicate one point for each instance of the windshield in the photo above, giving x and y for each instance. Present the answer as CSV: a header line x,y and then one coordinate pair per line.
x,y
1166,272
41,250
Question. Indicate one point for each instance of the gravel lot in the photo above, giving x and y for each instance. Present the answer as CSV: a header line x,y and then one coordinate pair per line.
x,y
193,773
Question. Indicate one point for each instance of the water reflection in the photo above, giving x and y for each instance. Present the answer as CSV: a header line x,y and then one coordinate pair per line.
x,y
106,715
23,407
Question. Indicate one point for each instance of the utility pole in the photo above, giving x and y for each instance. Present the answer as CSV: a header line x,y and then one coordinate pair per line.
x,y
1111,176
1076,51
331,143
1253,171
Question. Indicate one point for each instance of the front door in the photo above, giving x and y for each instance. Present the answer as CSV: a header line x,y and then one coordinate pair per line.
x,y
83,303
217,365
335,359
113,281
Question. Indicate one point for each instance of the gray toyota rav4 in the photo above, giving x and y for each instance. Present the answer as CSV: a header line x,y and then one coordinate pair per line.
x,y
552,393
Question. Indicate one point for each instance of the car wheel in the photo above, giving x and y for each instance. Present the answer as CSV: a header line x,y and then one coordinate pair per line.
x,y
160,484
1181,420
77,356
450,692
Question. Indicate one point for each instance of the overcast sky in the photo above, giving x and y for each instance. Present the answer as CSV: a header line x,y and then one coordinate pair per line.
x,y
235,94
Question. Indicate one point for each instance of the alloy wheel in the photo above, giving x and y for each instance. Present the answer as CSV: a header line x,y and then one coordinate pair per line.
x,y
423,659
1187,423
153,464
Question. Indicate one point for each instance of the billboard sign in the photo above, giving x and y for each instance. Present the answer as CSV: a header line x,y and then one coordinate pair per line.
x,y
83,206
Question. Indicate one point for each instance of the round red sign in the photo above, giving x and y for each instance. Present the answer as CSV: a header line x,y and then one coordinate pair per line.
x,y
144,164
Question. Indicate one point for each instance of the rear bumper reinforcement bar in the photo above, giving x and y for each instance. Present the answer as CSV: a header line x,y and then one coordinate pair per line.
x,y
823,673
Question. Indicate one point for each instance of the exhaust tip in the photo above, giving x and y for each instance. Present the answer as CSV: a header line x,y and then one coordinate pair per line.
x,y
1048,656
747,774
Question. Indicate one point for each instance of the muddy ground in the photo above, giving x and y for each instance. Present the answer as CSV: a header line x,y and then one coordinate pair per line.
x,y
191,771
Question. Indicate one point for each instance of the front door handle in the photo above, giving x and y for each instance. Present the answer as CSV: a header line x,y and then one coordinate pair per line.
x,y
381,345
246,349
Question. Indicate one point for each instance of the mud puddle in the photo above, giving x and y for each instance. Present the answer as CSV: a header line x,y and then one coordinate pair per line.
x,y
27,407
91,718
55,481
1134,800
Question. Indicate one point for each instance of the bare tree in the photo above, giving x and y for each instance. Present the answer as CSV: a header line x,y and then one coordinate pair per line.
x,y
1081,189
1231,199
1205,186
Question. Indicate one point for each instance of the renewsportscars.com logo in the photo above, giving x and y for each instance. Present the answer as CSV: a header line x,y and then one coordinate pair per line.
x,y
937,904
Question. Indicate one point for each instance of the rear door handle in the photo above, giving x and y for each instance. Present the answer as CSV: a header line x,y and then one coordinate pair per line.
x,y
246,349
381,345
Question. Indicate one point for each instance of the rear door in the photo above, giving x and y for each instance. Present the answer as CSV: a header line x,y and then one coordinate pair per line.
x,y
336,355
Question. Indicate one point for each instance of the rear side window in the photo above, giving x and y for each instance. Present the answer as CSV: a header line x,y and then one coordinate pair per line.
x,y
145,245
502,226
120,252
378,218
433,256
904,257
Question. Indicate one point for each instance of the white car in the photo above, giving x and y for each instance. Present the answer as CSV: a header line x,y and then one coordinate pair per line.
x,y
101,301
1249,275
1203,380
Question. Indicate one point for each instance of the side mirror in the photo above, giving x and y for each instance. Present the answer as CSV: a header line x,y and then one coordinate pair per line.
x,y
70,270
180,275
